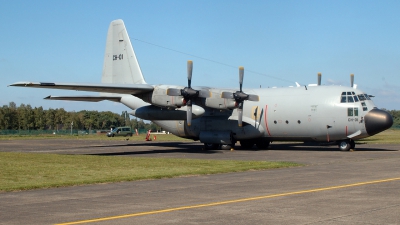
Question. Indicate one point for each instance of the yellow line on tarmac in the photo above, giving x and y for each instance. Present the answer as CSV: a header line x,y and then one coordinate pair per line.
x,y
229,202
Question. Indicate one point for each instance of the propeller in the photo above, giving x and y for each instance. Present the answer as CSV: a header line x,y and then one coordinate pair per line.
x,y
240,96
351,80
188,93
319,79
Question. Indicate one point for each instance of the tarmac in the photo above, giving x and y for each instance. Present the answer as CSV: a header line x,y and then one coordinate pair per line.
x,y
334,187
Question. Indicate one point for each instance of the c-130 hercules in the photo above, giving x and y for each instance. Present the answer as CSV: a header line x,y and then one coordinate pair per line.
x,y
221,117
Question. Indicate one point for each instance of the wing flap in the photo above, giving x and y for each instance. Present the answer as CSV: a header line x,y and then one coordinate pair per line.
x,y
85,98
108,88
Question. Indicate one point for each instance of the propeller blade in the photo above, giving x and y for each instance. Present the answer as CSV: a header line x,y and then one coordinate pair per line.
x,y
319,79
189,72
226,94
254,98
240,114
189,112
351,80
241,74
174,92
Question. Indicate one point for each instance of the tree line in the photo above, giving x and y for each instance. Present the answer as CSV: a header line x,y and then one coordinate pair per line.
x,y
24,117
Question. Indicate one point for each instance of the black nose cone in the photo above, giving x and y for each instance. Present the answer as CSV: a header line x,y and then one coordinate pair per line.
x,y
377,121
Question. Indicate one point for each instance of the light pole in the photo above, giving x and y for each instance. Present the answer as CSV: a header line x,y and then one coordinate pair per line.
x,y
72,123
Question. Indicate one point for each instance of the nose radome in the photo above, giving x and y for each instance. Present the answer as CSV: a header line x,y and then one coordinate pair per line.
x,y
377,121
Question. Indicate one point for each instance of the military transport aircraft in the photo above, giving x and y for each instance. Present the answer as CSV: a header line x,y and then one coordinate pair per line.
x,y
220,117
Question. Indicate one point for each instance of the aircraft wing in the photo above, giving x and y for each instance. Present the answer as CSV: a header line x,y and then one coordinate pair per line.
x,y
108,88
86,98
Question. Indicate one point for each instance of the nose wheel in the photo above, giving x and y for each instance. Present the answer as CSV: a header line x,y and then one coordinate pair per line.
x,y
346,145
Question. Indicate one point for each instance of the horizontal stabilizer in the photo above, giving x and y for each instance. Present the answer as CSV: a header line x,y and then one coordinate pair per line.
x,y
108,88
86,98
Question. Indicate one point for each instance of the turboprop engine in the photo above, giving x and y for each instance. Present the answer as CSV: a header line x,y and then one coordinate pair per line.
x,y
159,97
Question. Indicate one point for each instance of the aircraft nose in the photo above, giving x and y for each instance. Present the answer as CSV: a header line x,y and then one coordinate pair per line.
x,y
377,120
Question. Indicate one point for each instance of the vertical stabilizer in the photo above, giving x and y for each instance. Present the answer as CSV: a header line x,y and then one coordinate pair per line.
x,y
120,63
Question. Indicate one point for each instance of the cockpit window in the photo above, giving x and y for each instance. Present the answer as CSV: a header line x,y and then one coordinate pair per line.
x,y
350,99
350,96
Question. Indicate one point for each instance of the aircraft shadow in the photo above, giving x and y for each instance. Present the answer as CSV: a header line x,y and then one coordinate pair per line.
x,y
323,147
197,148
159,148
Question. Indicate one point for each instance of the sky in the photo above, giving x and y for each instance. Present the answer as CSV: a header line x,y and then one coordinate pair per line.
x,y
278,43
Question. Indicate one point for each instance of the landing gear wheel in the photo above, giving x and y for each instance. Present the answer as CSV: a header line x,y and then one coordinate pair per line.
x,y
246,144
352,144
227,147
262,145
344,145
208,146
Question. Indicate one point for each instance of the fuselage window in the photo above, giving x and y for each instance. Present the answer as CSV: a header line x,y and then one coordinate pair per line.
x,y
355,98
344,99
355,111
348,93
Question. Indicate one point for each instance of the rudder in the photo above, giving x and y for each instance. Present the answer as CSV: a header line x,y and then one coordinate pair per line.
x,y
120,63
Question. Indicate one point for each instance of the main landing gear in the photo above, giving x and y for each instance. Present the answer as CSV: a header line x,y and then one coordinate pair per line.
x,y
346,145
244,144
208,146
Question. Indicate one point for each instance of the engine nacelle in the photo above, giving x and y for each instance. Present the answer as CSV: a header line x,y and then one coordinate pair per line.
x,y
151,112
160,98
217,102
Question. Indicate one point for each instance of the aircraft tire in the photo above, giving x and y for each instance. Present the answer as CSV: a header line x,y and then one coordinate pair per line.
x,y
344,145
246,144
209,146
352,144
227,147
262,145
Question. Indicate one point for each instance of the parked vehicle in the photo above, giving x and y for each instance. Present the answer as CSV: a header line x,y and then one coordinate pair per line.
x,y
120,131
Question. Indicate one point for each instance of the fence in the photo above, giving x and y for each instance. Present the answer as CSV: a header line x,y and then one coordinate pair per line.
x,y
60,132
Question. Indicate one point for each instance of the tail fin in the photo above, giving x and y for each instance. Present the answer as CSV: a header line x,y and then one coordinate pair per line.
x,y
120,63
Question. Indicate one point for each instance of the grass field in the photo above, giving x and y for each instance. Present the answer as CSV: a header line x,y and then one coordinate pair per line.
x,y
159,137
391,136
24,171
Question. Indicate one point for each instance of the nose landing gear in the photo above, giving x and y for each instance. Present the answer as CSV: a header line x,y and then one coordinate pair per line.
x,y
346,145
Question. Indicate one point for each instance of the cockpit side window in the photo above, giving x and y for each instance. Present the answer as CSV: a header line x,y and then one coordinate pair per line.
x,y
365,108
